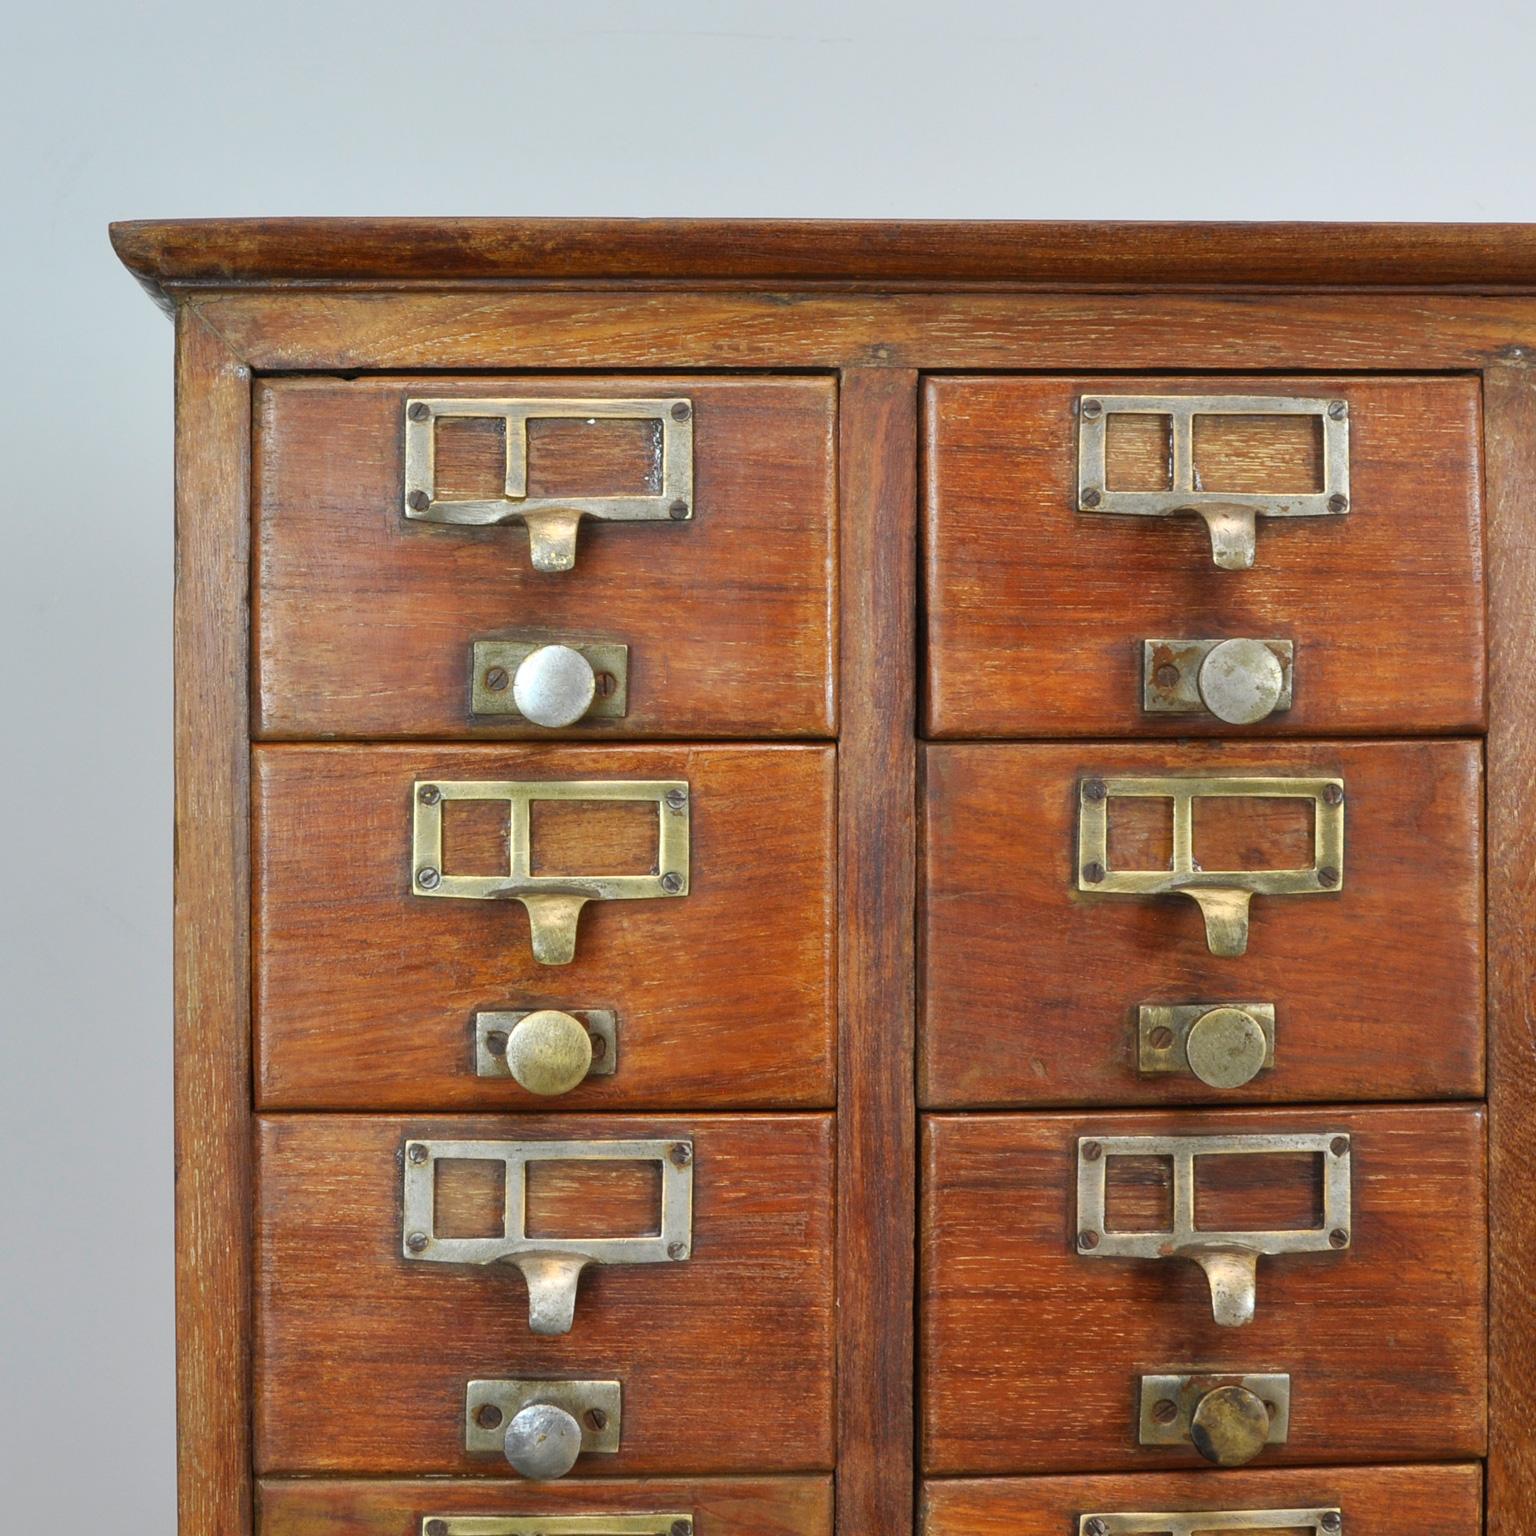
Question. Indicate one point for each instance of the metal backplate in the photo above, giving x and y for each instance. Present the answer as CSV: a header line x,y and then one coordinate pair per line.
x,y
553,902
552,521
552,1266
1229,1258
1229,515
590,1403
1223,895
558,1525
1159,1427
1320,1522
1162,1033
494,664
1170,675
602,1024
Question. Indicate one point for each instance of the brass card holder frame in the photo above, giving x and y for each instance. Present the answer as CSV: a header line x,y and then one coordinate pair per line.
x,y
553,902
557,1525
1318,1522
1229,515
552,1266
1230,1259
1222,895
552,521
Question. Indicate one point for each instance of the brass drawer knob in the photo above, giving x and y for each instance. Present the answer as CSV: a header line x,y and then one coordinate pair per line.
x,y
1229,1427
555,686
548,1052
1240,681
1225,1048
543,1441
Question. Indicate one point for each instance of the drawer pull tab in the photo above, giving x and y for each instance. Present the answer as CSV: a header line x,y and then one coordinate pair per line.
x,y
552,521
552,1266
1229,1259
1230,516
553,902
1228,1420
541,1427
1222,895
1315,1522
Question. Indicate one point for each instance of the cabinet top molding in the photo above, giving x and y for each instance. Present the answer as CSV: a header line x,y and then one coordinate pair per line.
x,y
174,253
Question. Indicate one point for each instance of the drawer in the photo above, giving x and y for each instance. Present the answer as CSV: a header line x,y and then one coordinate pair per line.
x,y
1369,1501
1039,613
1041,990
783,1506
722,1360
372,995
1382,1338
723,591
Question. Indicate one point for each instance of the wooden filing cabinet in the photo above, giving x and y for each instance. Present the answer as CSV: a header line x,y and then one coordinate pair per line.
x,y
853,878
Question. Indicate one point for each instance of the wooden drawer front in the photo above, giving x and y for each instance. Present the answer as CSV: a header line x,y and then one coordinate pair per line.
x,y
724,1360
365,618
785,1506
1038,612
1034,987
1371,1501
366,994
1033,1353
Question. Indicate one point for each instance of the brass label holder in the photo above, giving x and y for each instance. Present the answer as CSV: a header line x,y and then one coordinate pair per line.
x,y
552,1266
1222,895
1230,1259
553,902
1318,1522
558,1525
552,521
1229,515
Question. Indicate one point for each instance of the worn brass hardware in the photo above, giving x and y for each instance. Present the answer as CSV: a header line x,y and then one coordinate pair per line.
x,y
1230,1259
1228,1419
552,1266
522,1044
553,902
1240,682
1319,1522
558,1525
1222,895
552,521
541,1427
549,684
1225,1045
1229,515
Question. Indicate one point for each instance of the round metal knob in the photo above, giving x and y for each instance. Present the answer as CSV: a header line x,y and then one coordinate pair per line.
x,y
554,686
548,1052
1240,681
1230,1426
1226,1048
542,1442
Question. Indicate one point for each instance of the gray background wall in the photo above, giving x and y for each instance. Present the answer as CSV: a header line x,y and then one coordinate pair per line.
x,y
1114,109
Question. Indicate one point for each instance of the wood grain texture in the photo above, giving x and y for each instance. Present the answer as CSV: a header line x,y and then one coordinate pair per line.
x,y
1031,1353
364,618
1374,1501
726,1360
212,913
783,1506
1031,988
1037,612
918,250
365,993
1511,409
671,329
877,1143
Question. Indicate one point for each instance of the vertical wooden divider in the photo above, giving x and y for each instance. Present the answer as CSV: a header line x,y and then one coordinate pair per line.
x,y
876,776
212,943
1510,436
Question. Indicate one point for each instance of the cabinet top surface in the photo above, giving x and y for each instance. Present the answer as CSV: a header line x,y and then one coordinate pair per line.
x,y
238,252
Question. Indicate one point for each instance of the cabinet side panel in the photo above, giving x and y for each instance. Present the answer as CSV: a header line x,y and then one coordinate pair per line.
x,y
212,990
